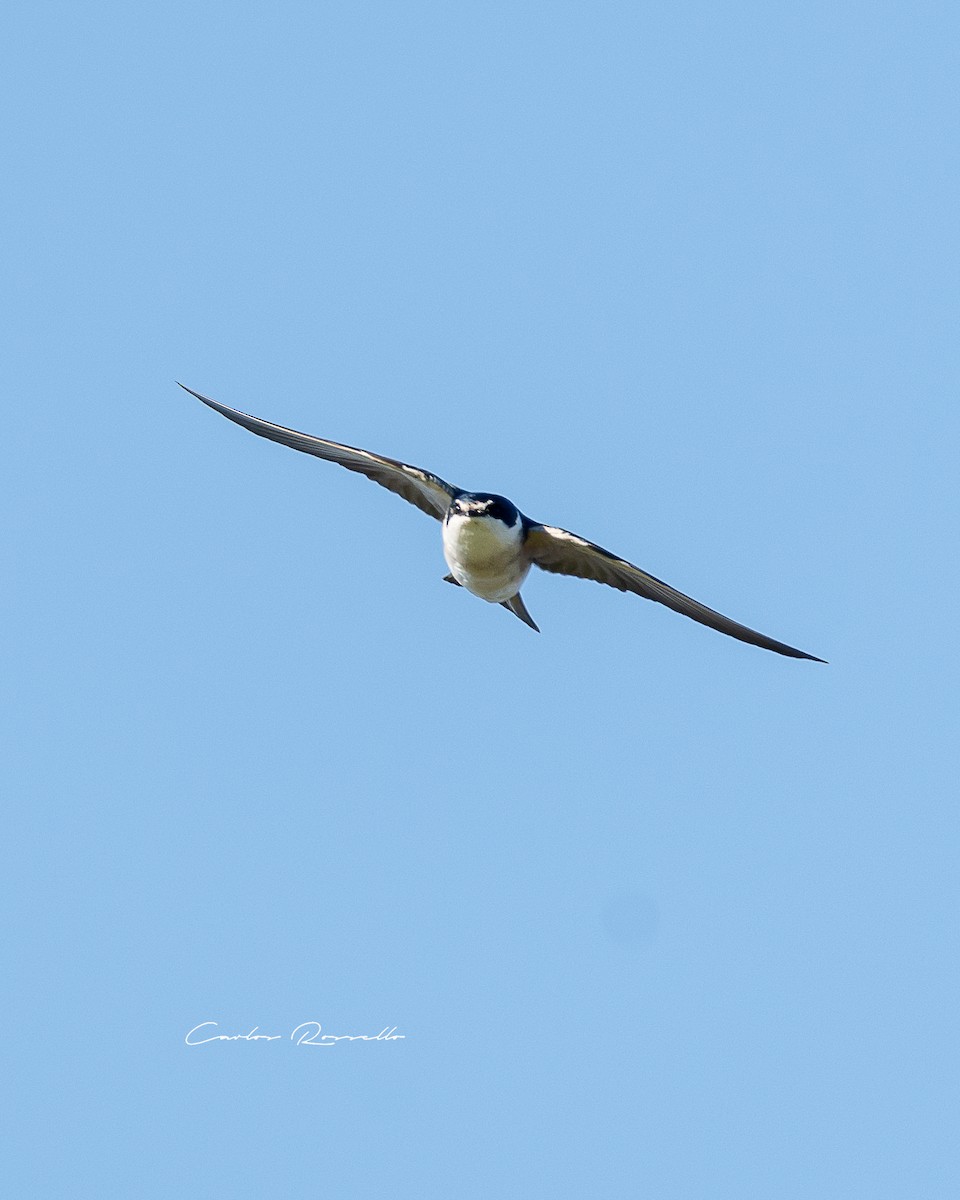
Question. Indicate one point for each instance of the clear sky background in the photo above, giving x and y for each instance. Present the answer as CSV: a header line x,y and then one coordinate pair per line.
x,y
657,913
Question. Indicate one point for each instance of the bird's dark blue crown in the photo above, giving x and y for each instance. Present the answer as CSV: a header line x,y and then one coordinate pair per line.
x,y
486,504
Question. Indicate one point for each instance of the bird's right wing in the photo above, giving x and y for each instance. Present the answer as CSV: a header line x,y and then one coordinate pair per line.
x,y
566,553
427,491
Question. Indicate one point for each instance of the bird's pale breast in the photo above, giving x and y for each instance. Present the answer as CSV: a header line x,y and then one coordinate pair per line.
x,y
485,556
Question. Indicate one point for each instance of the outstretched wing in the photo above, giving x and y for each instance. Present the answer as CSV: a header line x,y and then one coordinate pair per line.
x,y
565,553
428,492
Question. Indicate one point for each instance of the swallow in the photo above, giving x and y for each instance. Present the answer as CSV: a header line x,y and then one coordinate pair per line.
x,y
490,545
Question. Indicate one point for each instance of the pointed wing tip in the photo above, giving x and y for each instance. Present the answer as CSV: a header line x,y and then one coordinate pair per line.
x,y
190,391
809,657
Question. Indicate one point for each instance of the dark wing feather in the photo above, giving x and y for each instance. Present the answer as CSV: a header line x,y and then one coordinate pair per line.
x,y
428,492
565,553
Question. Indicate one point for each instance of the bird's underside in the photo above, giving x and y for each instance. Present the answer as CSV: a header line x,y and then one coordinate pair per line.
x,y
546,546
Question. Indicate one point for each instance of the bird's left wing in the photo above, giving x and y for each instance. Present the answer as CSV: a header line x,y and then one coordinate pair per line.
x,y
427,491
566,553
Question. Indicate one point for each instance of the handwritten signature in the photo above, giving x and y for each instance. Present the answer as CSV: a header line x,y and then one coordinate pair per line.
x,y
308,1033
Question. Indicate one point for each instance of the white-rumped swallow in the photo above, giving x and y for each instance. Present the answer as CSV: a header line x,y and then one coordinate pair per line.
x,y
490,545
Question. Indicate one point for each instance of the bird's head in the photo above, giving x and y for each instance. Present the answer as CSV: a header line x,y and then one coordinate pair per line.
x,y
485,504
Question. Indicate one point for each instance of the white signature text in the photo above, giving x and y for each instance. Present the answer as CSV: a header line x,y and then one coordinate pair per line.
x,y
307,1033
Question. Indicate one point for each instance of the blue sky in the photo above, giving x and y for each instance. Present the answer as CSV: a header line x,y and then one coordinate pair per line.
x,y
658,914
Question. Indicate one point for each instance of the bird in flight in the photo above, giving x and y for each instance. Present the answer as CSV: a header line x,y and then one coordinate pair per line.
x,y
490,545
